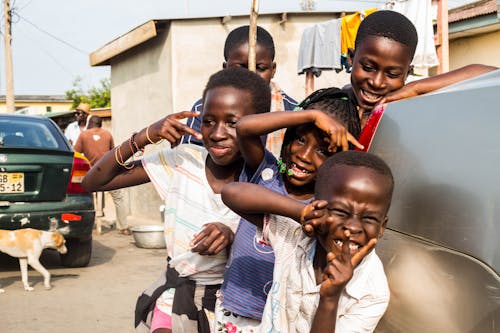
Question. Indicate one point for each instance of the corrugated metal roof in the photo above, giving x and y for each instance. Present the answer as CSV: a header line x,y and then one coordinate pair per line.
x,y
475,9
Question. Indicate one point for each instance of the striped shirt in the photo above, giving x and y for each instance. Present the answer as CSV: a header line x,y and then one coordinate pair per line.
x,y
179,177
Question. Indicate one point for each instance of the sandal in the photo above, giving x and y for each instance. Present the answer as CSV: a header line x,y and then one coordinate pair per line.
x,y
125,232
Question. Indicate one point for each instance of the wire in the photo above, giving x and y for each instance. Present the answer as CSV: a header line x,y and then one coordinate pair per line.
x,y
51,35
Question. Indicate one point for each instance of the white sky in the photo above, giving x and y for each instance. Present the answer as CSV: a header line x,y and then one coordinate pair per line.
x,y
52,39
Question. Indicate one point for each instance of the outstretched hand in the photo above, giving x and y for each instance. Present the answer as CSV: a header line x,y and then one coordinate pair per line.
x,y
340,265
212,239
171,129
337,134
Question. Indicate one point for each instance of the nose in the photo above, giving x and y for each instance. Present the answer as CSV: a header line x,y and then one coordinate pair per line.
x,y
304,154
353,224
378,80
219,132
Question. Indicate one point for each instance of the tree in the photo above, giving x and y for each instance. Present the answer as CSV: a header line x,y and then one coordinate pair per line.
x,y
97,97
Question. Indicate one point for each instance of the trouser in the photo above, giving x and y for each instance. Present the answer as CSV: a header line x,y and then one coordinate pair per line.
x,y
120,208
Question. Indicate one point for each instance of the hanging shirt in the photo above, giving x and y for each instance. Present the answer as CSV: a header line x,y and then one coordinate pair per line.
x,y
349,29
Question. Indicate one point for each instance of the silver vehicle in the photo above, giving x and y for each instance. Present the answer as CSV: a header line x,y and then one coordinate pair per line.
x,y
441,251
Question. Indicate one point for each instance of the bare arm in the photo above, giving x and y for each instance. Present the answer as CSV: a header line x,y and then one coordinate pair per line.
x,y
432,83
252,201
108,174
252,127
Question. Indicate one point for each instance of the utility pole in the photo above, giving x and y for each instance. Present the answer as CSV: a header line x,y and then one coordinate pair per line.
x,y
9,78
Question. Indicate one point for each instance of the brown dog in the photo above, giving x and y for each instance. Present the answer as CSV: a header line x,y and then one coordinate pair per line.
x,y
27,245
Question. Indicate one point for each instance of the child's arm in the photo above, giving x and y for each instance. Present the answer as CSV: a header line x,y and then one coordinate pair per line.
x,y
111,171
250,128
213,238
338,272
252,201
423,86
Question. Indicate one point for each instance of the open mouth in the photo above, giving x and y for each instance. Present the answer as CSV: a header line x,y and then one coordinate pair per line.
x,y
353,247
299,171
370,97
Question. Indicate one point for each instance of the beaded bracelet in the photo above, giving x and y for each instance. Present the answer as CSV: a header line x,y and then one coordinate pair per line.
x,y
133,145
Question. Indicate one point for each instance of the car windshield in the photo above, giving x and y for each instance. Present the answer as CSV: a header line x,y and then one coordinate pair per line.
x,y
27,133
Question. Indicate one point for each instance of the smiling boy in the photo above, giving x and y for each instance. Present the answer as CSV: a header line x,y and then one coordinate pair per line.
x,y
333,281
381,61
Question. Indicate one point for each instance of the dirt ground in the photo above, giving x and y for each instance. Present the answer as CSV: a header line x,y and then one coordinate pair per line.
x,y
97,298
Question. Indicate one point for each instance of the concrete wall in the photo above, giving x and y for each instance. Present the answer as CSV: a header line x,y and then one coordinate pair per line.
x,y
478,49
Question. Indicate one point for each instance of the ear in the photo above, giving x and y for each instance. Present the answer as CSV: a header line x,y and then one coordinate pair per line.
x,y
350,56
274,69
224,65
382,227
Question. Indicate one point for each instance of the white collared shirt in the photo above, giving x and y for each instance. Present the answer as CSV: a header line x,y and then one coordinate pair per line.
x,y
294,296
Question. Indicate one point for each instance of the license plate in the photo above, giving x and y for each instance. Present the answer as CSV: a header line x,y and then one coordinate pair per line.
x,y
11,182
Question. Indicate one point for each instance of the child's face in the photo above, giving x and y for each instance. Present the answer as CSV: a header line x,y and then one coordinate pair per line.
x,y
264,63
304,155
358,200
222,108
379,65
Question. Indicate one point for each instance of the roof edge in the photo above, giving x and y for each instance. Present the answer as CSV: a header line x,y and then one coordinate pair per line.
x,y
123,43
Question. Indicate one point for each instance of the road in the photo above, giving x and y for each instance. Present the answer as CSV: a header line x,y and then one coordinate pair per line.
x,y
97,298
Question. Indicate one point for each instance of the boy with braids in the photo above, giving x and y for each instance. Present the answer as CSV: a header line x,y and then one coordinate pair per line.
x,y
381,61
236,55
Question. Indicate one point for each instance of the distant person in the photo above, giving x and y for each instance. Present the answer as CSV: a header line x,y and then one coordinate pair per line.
x,y
327,276
381,61
94,142
80,124
236,55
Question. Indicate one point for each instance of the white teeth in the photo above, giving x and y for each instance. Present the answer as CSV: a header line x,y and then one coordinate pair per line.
x,y
370,95
352,246
299,169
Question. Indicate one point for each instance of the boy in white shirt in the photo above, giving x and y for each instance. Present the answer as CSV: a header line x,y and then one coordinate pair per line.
x,y
334,281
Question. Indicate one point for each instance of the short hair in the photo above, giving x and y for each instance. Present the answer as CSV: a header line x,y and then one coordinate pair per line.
x,y
356,159
243,79
334,102
389,24
239,36
94,121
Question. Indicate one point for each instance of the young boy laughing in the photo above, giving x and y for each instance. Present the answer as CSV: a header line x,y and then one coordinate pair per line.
x,y
333,282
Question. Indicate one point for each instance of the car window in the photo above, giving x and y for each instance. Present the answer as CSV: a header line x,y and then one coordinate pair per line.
x,y
21,133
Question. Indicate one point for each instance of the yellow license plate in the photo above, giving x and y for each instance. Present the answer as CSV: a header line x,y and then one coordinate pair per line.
x,y
11,182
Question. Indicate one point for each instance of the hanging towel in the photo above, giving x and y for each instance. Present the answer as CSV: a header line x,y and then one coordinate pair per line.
x,y
350,25
320,48
419,12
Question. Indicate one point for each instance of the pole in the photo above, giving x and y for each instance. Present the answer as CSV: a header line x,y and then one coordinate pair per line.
x,y
252,35
9,78
443,51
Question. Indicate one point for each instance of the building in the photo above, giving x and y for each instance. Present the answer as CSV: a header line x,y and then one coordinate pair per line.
x,y
37,104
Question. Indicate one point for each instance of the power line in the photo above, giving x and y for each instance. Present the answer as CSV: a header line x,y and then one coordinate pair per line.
x,y
51,35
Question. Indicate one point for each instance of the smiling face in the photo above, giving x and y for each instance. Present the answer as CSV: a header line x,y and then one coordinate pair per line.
x,y
358,201
265,66
379,65
222,108
303,157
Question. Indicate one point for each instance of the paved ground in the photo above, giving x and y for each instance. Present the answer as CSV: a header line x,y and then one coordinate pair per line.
x,y
97,298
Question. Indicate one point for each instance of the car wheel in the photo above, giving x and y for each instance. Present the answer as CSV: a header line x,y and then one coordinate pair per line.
x,y
79,253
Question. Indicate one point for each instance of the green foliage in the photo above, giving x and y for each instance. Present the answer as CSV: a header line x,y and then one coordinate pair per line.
x,y
97,97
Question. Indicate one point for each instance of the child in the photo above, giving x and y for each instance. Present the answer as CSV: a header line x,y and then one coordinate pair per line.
x,y
381,61
313,136
236,55
332,282
189,178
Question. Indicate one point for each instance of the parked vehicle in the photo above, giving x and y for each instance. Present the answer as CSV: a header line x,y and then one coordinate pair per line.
x,y
441,250
40,184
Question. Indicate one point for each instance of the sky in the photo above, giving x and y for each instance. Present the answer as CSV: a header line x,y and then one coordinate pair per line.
x,y
52,39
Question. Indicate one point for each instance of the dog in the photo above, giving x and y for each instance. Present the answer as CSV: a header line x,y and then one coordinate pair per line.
x,y
27,245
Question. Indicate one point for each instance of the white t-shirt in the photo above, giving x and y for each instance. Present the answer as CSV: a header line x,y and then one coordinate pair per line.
x,y
72,132
180,179
294,295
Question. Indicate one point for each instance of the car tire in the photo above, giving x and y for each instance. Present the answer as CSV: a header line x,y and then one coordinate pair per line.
x,y
79,253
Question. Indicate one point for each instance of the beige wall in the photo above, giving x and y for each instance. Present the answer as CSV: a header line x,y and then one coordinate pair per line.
x,y
479,49
39,107
169,72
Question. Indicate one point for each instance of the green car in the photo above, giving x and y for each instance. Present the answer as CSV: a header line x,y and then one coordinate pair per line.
x,y
40,184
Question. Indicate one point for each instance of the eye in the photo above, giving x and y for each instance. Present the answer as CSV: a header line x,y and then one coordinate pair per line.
x,y
394,75
370,219
232,123
337,212
300,139
262,68
208,122
367,68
